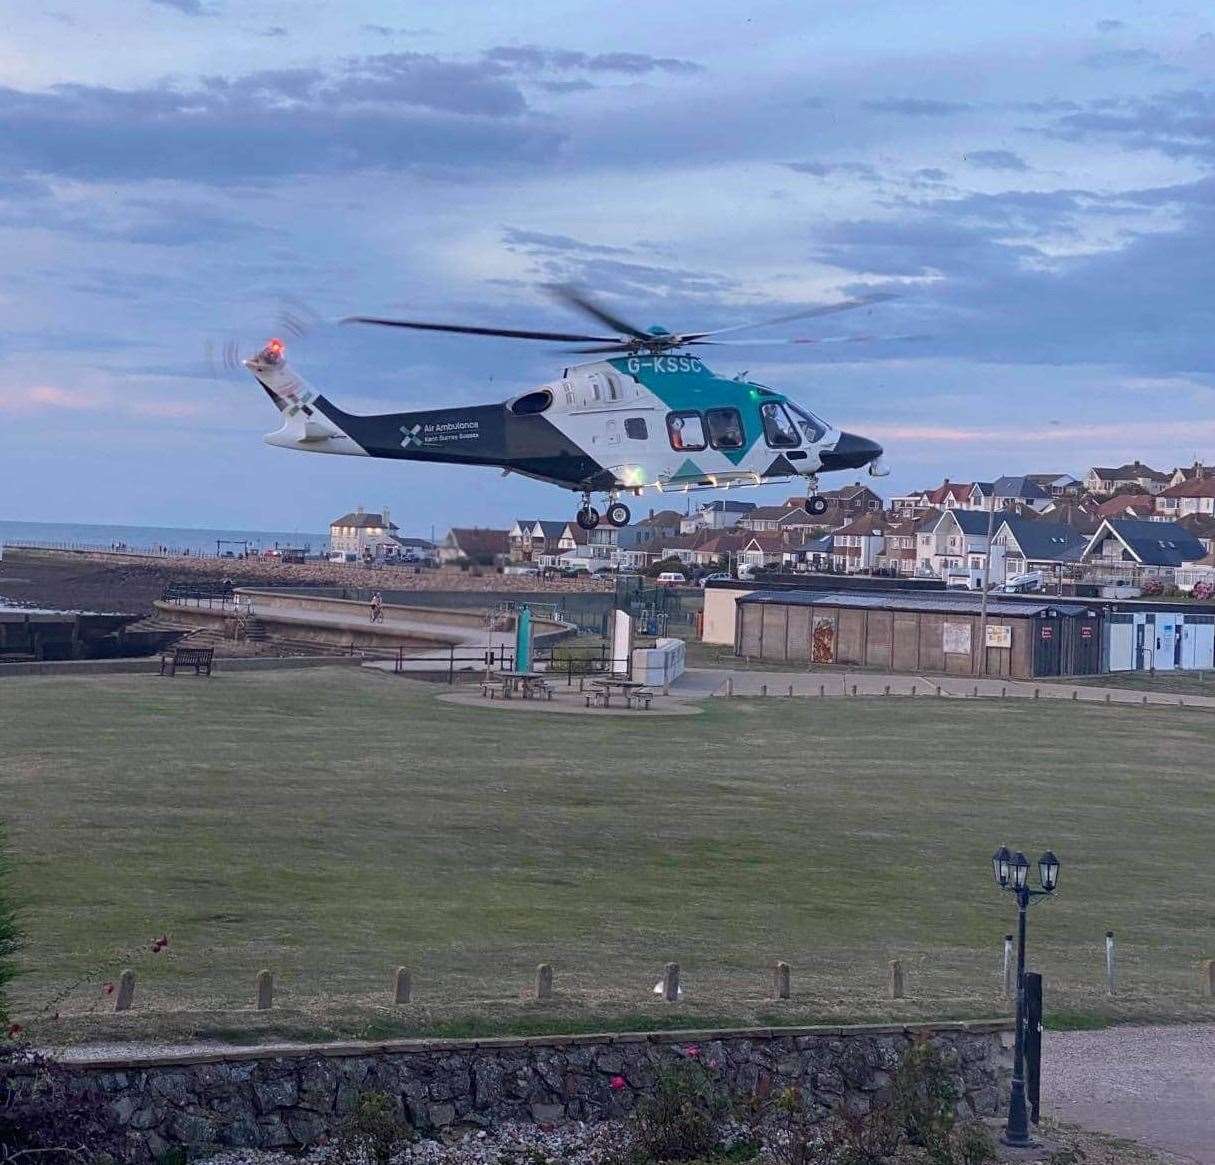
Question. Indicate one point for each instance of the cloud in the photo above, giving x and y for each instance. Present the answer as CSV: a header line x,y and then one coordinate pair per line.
x,y
996,160
860,170
189,7
1179,123
1110,25
42,398
916,106
275,31
1120,58
534,59
535,242
392,111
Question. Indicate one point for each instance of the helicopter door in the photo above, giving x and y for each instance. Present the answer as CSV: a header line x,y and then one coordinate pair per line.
x,y
610,435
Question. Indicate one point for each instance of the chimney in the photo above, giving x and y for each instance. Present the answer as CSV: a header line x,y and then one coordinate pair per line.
x,y
651,511
359,508
387,520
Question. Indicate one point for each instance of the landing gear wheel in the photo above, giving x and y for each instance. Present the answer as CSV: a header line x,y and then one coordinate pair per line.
x,y
588,517
817,506
618,514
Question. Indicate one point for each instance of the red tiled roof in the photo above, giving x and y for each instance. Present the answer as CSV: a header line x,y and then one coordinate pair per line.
x,y
1117,506
1196,487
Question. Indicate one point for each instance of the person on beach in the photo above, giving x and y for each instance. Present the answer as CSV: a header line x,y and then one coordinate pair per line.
x,y
377,608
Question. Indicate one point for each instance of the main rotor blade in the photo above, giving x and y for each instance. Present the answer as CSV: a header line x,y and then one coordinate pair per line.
x,y
576,298
467,330
825,309
804,340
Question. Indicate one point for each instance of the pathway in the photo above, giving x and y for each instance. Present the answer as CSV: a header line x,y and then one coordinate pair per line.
x,y
1155,1085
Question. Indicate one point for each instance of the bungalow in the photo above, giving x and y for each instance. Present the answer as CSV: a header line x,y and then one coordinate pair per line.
x,y
1194,496
765,549
718,515
1131,549
1127,506
813,554
1058,485
475,545
705,548
1105,480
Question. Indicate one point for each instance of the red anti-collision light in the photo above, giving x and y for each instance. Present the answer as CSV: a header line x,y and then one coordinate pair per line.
x,y
274,348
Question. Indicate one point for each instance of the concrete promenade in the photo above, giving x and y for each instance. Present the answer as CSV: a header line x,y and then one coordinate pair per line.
x,y
723,682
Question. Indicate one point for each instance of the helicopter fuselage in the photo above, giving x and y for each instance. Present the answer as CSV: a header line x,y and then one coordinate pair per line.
x,y
626,424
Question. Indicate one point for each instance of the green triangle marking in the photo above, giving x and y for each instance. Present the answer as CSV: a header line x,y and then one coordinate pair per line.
x,y
688,469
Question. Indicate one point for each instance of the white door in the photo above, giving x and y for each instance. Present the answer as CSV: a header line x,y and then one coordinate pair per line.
x,y
1166,641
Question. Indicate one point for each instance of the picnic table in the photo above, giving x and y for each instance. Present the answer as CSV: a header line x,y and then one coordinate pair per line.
x,y
529,685
633,691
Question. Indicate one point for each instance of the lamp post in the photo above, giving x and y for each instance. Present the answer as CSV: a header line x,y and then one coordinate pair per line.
x,y
1011,872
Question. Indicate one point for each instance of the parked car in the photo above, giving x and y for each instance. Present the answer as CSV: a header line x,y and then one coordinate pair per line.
x,y
1022,584
721,576
671,578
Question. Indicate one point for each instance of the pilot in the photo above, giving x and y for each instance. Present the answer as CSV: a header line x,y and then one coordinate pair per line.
x,y
677,432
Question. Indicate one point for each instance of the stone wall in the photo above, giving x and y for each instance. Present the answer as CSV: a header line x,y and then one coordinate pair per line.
x,y
289,1096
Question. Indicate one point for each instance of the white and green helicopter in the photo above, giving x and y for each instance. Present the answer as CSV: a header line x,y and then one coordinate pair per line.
x,y
650,415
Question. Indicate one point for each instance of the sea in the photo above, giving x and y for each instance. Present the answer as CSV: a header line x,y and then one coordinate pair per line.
x,y
154,539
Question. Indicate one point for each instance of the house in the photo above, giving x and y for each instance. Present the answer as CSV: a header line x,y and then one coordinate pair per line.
x,y
951,495
718,515
1127,506
1202,526
844,505
1036,544
704,548
1195,495
663,524
857,546
813,554
364,535
1012,492
898,555
912,505
764,518
1105,480
765,549
1058,485
531,537
980,495
1191,473
956,540
475,545
1078,512
1131,549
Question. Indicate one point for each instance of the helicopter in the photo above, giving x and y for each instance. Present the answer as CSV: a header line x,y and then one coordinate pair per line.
x,y
650,414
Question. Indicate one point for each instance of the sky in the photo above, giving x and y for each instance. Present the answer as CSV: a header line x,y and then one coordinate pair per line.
x,y
1034,182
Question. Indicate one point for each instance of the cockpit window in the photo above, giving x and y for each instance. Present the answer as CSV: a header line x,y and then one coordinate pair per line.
x,y
779,430
814,429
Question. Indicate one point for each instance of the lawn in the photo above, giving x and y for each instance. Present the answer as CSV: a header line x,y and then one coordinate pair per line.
x,y
333,824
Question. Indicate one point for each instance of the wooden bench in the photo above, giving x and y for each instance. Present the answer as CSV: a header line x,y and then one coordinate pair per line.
x,y
492,688
199,658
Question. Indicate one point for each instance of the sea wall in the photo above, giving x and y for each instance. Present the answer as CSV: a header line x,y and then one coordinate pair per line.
x,y
289,1097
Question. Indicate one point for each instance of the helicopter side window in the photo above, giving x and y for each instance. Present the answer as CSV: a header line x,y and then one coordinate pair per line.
x,y
635,427
725,428
687,432
779,430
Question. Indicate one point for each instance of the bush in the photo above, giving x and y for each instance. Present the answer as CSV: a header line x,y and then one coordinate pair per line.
x,y
683,1119
924,1100
10,937
973,1144
375,1130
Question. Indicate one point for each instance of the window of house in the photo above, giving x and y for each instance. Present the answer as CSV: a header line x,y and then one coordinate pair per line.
x,y
687,432
635,427
779,430
725,428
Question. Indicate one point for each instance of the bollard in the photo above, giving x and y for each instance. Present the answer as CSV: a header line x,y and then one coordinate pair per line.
x,y
402,986
896,979
265,990
780,980
854,689
1107,697
1208,977
126,991
1109,961
729,685
938,689
1037,693
1008,964
913,689
790,691
886,691
544,981
1075,693
1003,693
763,689
1145,701
822,690
670,983
976,691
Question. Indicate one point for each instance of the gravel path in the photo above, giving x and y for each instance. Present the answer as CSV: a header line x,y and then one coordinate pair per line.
x,y
1155,1085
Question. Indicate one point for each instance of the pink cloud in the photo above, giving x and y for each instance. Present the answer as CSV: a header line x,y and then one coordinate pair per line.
x,y
44,397
1038,432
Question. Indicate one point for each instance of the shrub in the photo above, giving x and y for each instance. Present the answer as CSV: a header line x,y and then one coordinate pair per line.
x,y
972,1144
924,1099
10,937
861,1138
683,1118
375,1130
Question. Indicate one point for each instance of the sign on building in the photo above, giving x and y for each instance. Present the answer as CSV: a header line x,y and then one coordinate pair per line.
x,y
999,635
956,638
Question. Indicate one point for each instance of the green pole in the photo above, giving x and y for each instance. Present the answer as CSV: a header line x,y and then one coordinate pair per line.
x,y
523,639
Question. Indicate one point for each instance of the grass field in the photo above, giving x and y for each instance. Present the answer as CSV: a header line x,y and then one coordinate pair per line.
x,y
333,824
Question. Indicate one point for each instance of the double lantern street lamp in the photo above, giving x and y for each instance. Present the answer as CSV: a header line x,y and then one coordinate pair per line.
x,y
1011,871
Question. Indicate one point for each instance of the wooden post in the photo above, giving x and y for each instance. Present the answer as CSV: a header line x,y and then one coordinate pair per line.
x,y
544,981
265,990
1075,693
896,979
402,986
822,690
1208,977
976,692
854,689
126,991
729,685
780,980
790,691
913,689
887,691
1037,693
670,983
1003,693
1107,697
1008,964
1109,961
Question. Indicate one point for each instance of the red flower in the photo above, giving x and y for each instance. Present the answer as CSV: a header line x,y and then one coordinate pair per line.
x,y
692,1051
108,988
15,1030
617,1083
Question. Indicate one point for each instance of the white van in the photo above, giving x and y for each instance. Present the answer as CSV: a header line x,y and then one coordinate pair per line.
x,y
671,577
